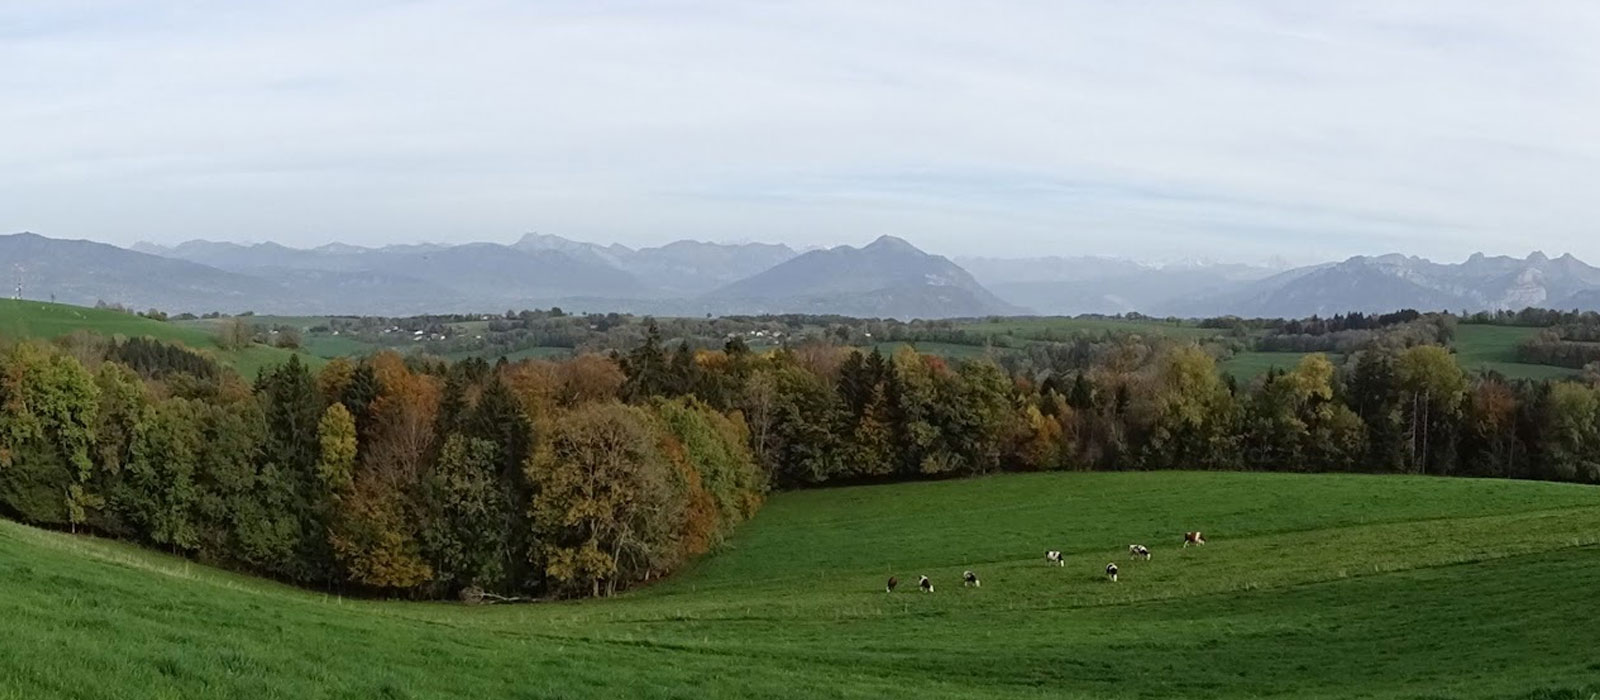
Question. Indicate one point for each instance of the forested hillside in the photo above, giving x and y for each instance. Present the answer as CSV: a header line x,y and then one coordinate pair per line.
x,y
416,476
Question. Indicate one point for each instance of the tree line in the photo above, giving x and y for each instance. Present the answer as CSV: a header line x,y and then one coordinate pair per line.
x,y
416,477
386,475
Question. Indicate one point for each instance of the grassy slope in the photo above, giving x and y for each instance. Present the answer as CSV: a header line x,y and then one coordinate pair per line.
x,y
1246,366
36,319
1482,347
1312,586
1478,347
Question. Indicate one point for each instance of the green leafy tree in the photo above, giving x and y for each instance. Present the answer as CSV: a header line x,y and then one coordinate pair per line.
x,y
604,506
122,400
1573,436
290,453
1193,413
466,539
159,497
48,406
1434,388
336,436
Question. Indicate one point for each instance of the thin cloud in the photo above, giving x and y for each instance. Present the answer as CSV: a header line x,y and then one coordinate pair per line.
x,y
1224,130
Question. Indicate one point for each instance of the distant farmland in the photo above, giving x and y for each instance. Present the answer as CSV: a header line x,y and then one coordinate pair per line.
x,y
45,321
1039,327
1494,348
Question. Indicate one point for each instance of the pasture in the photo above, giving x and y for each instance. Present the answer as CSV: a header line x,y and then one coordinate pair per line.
x,y
1494,348
1311,586
46,321
1246,366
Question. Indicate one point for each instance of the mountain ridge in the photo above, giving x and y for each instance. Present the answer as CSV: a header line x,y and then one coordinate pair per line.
x,y
889,277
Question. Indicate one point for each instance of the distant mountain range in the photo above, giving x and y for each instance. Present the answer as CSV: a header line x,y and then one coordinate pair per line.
x,y
889,278
1388,282
1092,285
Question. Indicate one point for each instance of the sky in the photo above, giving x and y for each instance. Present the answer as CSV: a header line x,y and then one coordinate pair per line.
x,y
1237,131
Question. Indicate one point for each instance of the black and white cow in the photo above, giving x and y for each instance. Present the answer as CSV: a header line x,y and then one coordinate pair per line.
x,y
1139,550
970,579
1193,538
1054,557
889,587
925,585
1111,572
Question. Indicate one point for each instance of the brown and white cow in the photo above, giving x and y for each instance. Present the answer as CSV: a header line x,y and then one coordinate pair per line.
x,y
889,587
1193,538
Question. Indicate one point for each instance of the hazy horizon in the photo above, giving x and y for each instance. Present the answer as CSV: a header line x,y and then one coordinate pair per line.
x,y
1235,132
1270,261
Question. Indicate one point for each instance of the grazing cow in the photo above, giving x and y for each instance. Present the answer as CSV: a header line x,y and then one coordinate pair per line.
x,y
1139,550
970,579
1054,557
926,585
1111,572
1193,538
889,587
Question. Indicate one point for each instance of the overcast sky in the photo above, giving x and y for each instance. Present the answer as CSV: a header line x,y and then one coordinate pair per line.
x,y
1152,130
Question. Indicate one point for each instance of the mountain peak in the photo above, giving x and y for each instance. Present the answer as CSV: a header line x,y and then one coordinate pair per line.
x,y
542,240
894,243
1538,256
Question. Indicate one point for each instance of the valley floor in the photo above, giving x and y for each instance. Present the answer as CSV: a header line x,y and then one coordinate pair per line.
x,y
1326,586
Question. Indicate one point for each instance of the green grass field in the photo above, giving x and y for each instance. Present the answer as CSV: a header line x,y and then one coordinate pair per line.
x,y
1246,366
45,321
1312,586
1478,348
1484,347
331,346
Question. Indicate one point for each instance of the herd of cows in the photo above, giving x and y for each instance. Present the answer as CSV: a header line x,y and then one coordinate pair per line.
x,y
969,578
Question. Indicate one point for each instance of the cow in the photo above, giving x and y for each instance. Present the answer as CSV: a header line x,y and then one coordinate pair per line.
x,y
1193,538
1139,550
925,585
1054,557
889,587
970,579
1111,572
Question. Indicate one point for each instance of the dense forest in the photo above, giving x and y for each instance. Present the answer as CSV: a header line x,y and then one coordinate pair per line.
x,y
410,476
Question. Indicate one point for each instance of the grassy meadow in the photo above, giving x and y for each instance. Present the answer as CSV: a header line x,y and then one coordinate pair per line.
x,y
1494,348
1246,366
46,321
1312,586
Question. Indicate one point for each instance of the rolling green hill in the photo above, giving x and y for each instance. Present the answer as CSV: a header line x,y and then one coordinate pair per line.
x,y
37,319
1246,366
1485,347
1311,587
